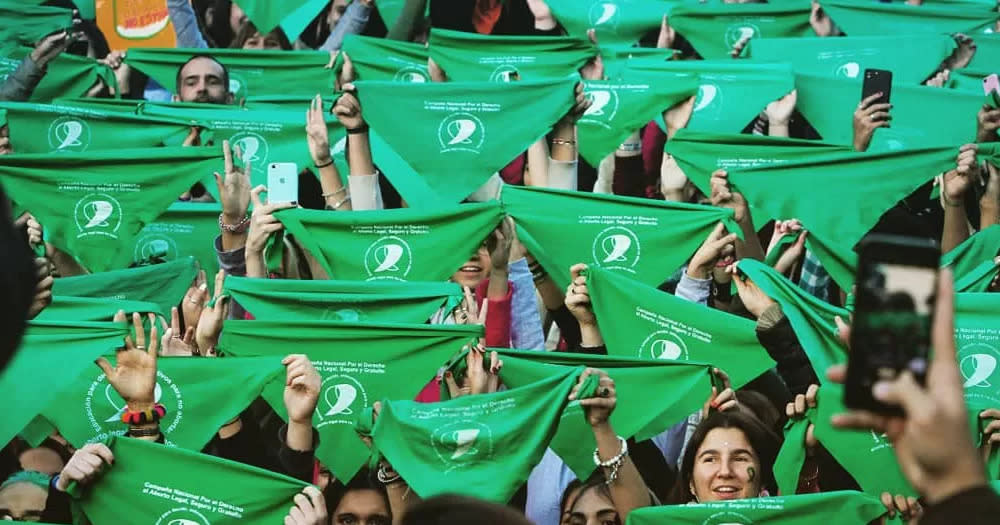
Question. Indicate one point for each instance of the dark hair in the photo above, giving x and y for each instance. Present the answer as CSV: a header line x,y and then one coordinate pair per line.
x,y
363,480
449,509
17,279
763,440
225,71
248,30
596,482
218,33
759,406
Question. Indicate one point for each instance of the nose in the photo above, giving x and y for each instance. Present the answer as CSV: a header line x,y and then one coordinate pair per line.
x,y
725,470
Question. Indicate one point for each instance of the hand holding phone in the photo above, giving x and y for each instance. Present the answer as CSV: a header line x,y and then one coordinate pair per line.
x,y
991,88
877,81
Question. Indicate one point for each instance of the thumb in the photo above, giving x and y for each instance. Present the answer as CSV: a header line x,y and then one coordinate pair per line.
x,y
453,388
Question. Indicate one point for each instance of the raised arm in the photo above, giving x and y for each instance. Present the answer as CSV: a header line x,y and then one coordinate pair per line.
x,y
954,185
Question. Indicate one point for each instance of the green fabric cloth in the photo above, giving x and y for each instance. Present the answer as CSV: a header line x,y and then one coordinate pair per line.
x,y
389,10
811,318
38,128
56,351
678,388
359,364
619,108
384,59
775,190
162,284
37,431
267,14
642,238
867,456
855,18
460,133
829,508
185,229
471,57
617,58
967,258
977,332
399,245
251,73
911,58
829,104
478,445
92,203
979,278
646,323
732,92
23,22
377,301
713,29
200,395
65,76
614,21
295,22
987,52
70,308
181,487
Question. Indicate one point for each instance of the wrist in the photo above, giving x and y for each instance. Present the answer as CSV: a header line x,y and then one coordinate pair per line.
x,y
698,272
233,218
545,23
959,481
140,405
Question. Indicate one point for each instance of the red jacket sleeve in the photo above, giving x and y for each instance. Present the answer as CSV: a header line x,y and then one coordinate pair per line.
x,y
497,316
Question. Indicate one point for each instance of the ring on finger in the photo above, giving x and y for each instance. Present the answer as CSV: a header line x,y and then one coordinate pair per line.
x,y
140,347
604,392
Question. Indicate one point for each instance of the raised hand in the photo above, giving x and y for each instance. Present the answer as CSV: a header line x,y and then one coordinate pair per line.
x,y
469,311
597,409
779,113
317,135
821,23
956,182
302,383
754,299
348,108
210,324
52,46
478,380
544,21
234,188
594,68
939,79
797,408
678,116
719,244
720,401
667,34
43,287
177,343
194,301
868,117
134,374
578,297
85,465
309,508
503,239
263,223
908,508
962,56
723,196
987,123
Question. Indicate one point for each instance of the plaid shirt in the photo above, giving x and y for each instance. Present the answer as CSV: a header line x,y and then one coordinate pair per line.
x,y
814,279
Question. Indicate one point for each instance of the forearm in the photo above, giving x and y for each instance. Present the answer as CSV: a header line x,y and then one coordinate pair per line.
x,y
564,141
359,154
232,241
352,22
22,82
538,164
65,265
498,286
256,264
749,247
628,178
956,225
299,436
590,335
777,128
409,19
628,490
186,25
333,188
526,323
400,498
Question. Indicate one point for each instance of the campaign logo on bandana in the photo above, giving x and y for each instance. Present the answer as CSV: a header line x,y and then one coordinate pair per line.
x,y
412,75
342,398
237,85
7,66
350,315
604,15
848,70
505,73
103,406
603,106
664,344
880,441
98,214
709,100
253,149
728,518
462,443
616,248
740,30
69,134
980,367
461,132
388,258
155,245
182,516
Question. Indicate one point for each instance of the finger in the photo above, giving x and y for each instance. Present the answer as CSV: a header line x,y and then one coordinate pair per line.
x,y
255,196
154,343
175,320
843,330
900,501
453,388
800,404
227,155
869,99
316,497
305,506
220,278
886,499
723,377
105,366
102,450
188,336
811,395
91,460
140,334
790,409
943,326
837,373
990,413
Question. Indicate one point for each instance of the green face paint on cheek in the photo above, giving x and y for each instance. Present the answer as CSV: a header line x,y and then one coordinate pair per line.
x,y
751,474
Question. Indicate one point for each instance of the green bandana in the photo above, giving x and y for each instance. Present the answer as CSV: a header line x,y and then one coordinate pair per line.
x,y
828,104
460,133
617,58
678,388
267,15
384,59
479,445
615,21
352,301
69,308
987,52
89,409
867,456
643,322
181,487
855,18
976,334
185,229
295,22
619,108
37,128
969,260
912,58
480,58
811,318
645,239
25,23
37,431
162,284
65,76
732,93
768,182
398,245
829,508
92,203
713,29
251,73
359,364
56,351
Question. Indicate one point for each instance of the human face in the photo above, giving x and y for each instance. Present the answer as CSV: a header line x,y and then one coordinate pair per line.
x,y
362,507
475,269
259,41
203,80
725,467
590,508
42,459
22,501
236,18
5,147
336,11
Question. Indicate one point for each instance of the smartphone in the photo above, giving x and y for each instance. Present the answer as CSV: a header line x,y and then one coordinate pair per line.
x,y
282,182
991,88
877,81
894,306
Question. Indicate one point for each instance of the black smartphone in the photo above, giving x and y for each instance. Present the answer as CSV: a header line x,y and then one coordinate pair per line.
x,y
877,81
894,305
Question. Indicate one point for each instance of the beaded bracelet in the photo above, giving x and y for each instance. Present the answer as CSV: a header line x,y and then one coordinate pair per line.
x,y
614,463
141,417
239,227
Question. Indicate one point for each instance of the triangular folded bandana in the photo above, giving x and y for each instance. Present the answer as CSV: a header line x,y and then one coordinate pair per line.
x,y
977,336
713,29
857,18
185,229
614,21
69,308
829,508
479,58
973,261
92,203
460,133
376,301
645,323
267,14
162,284
643,238
67,75
384,59
20,21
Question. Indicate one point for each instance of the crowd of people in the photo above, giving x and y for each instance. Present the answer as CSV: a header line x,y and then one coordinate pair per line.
x,y
564,262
